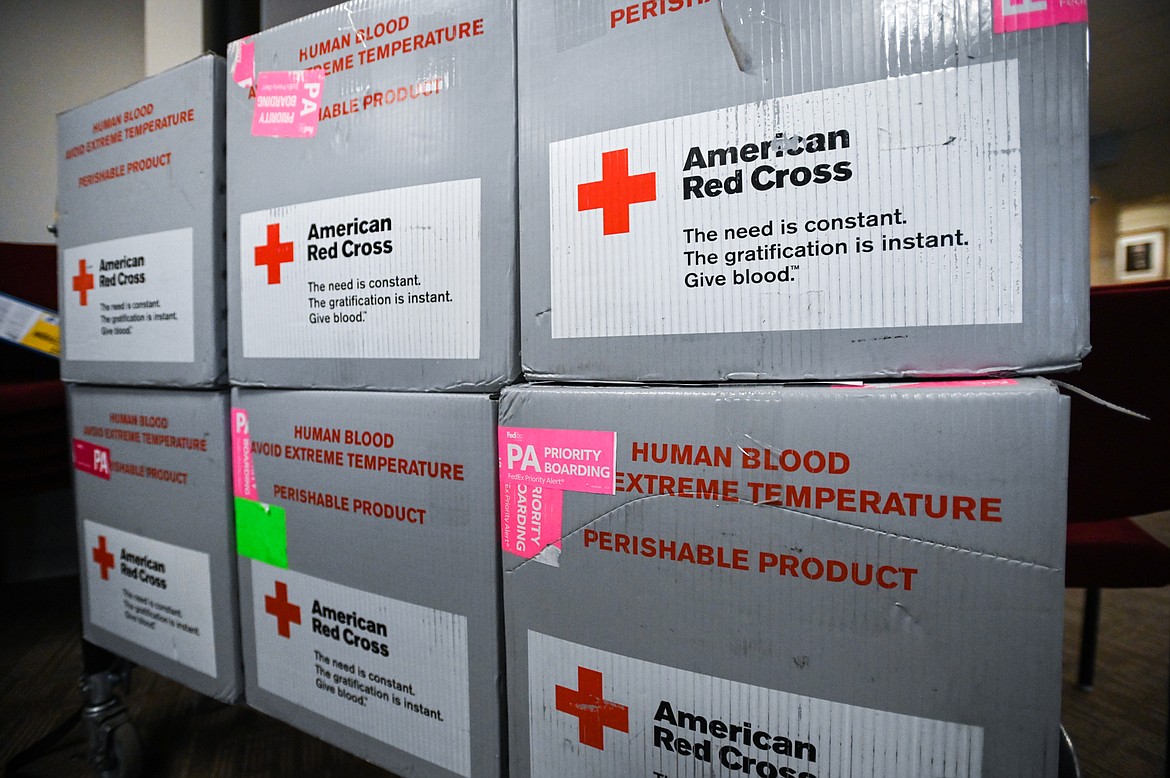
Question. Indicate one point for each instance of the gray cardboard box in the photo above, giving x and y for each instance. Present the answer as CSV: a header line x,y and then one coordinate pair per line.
x,y
799,581
372,199
834,189
157,540
140,232
370,573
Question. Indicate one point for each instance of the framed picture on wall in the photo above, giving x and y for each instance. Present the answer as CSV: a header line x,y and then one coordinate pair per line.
x,y
1140,256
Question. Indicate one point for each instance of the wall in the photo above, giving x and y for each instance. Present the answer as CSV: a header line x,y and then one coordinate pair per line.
x,y
174,33
1109,220
55,54
1102,236
1138,217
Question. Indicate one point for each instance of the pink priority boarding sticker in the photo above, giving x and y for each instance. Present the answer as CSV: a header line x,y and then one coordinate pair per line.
x,y
1016,15
91,458
286,103
243,469
537,466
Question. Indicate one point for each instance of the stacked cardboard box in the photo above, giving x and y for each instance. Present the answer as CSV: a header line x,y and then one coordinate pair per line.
x,y
369,572
862,581
372,246
140,228
842,189
155,531
140,232
792,581
371,200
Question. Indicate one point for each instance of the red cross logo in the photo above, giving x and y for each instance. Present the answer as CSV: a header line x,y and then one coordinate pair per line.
x,y
616,192
83,282
594,713
103,557
284,611
274,254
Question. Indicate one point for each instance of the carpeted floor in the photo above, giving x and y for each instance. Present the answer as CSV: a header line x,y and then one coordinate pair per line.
x,y
185,734
1118,729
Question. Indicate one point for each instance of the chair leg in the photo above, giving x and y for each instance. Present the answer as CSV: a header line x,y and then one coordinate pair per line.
x,y
1067,766
1089,623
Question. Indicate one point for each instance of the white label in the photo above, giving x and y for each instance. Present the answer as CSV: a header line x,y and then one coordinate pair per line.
x,y
894,203
151,593
596,713
131,299
388,669
389,274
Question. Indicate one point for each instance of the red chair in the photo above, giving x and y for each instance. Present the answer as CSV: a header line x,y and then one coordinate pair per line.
x,y
1119,465
34,439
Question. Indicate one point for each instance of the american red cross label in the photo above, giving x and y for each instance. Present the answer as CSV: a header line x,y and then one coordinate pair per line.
x,y
592,712
895,203
389,669
387,274
131,299
154,594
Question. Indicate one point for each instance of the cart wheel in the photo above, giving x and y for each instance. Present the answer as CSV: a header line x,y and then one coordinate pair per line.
x,y
124,755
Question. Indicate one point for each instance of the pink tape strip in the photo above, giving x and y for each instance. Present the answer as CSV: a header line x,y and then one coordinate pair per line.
x,y
91,458
536,467
286,103
244,68
243,472
949,384
1015,15
968,382
530,518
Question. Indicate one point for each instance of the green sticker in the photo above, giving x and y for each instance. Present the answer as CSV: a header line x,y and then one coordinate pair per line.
x,y
260,532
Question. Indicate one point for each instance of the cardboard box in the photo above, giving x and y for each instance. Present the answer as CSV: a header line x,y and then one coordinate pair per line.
x,y
157,540
800,581
140,229
369,573
712,190
372,199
